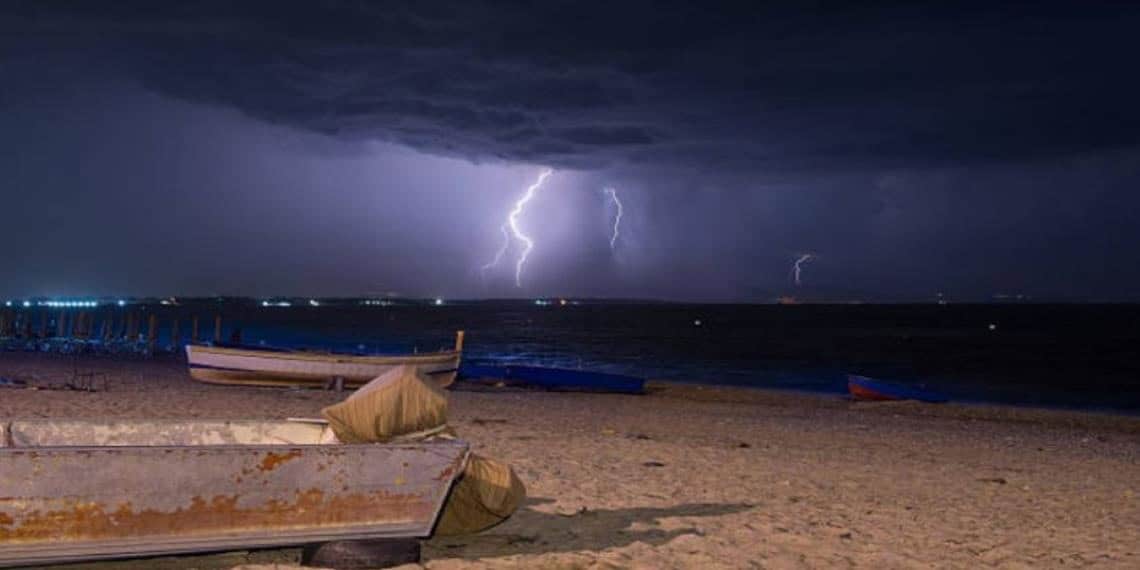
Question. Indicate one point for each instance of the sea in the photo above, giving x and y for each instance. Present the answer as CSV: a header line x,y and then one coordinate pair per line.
x,y
1076,356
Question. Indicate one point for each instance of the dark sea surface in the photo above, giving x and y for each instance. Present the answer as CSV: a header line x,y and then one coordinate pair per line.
x,y
1070,355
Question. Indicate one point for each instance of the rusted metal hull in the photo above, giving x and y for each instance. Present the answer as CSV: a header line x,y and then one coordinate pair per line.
x,y
61,503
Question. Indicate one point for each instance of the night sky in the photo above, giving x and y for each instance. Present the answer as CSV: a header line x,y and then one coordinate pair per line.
x,y
351,148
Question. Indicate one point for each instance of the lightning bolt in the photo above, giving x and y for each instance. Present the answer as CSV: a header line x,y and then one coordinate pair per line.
x,y
617,220
499,255
798,267
513,221
510,228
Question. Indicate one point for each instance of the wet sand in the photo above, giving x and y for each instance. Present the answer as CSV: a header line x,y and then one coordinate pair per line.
x,y
719,478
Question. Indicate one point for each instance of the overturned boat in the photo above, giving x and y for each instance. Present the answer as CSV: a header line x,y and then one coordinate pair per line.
x,y
81,490
870,389
256,366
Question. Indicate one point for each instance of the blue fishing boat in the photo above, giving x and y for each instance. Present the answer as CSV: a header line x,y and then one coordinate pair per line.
x,y
869,389
555,379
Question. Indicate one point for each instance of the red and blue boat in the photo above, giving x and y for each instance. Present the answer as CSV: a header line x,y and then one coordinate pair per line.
x,y
870,389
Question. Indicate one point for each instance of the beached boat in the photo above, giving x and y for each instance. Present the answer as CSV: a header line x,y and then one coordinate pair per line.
x,y
555,379
255,366
864,388
83,490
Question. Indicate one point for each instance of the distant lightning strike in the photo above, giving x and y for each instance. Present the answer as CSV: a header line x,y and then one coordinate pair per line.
x,y
513,220
511,228
617,220
798,267
502,251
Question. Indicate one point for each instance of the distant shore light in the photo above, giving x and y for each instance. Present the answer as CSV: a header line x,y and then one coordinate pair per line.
x,y
64,304
438,301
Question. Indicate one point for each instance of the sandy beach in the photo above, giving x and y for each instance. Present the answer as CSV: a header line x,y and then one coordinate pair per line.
x,y
691,477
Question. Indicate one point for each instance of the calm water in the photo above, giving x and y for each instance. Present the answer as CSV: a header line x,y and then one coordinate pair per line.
x,y
1055,355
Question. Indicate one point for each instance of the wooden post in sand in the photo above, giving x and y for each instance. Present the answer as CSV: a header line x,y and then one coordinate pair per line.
x,y
61,324
77,324
175,334
132,326
44,323
194,329
151,333
217,328
108,326
459,341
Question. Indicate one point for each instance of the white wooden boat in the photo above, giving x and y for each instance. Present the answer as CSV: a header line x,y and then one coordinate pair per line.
x,y
75,490
251,366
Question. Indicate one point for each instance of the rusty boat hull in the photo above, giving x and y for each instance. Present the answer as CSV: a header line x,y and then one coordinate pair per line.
x,y
89,490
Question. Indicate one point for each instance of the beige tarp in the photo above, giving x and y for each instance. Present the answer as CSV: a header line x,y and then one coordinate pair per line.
x,y
486,494
397,403
402,405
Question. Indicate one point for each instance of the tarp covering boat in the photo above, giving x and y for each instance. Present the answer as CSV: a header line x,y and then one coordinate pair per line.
x,y
397,404
402,404
864,388
556,379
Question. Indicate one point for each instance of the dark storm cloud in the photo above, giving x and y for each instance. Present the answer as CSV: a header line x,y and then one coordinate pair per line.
x,y
809,88
197,148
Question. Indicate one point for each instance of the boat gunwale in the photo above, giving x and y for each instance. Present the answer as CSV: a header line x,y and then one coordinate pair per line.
x,y
9,443
431,357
